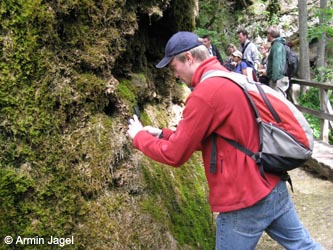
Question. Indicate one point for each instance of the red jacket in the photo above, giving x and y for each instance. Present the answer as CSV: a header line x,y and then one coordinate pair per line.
x,y
215,105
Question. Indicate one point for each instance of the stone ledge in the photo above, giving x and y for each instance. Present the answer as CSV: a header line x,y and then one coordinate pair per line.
x,y
320,168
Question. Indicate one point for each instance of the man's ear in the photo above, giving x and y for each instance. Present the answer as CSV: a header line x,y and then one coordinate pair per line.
x,y
188,56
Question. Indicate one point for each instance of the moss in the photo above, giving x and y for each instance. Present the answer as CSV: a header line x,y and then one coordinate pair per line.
x,y
14,192
179,198
67,166
184,14
127,92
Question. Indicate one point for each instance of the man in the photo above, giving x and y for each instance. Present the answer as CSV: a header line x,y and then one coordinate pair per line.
x,y
213,51
247,203
276,61
248,48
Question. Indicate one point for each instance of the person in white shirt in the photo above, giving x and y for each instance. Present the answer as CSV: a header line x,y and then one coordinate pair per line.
x,y
249,49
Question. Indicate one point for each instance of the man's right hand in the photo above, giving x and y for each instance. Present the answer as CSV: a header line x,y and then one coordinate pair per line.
x,y
152,130
134,126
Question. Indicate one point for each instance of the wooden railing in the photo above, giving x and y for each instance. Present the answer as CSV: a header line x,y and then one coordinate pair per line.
x,y
325,113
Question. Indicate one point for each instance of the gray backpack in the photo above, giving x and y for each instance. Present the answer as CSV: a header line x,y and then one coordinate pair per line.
x,y
285,137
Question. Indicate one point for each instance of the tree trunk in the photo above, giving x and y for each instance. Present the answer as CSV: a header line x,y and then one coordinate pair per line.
x,y
322,41
304,65
324,100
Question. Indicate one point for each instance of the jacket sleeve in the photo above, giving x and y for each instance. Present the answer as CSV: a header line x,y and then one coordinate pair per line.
x,y
177,147
278,62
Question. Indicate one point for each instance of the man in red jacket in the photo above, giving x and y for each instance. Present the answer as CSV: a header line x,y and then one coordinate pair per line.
x,y
247,203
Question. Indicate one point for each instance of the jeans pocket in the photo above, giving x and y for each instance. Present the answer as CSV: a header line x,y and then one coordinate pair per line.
x,y
253,220
284,200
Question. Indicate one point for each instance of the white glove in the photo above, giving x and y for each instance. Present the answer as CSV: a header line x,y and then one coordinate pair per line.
x,y
153,131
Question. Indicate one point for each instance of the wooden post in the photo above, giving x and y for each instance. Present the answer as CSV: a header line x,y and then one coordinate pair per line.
x,y
324,125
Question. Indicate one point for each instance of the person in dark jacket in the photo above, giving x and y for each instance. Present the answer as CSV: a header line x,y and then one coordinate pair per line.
x,y
276,61
213,51
247,204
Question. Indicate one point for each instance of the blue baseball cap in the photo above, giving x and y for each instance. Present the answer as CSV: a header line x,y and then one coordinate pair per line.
x,y
178,43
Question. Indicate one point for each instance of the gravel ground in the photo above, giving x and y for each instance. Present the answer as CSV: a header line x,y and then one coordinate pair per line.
x,y
313,198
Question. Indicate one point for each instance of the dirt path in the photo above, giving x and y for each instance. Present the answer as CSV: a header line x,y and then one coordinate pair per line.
x,y
313,198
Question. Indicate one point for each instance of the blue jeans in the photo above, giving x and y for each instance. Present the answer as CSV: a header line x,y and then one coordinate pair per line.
x,y
275,214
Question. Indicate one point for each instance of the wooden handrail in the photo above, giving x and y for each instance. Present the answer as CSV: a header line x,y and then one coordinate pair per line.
x,y
326,113
316,113
312,84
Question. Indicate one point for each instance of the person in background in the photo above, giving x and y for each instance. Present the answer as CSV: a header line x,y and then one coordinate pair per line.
x,y
242,68
229,63
213,51
262,70
240,65
248,48
247,204
276,61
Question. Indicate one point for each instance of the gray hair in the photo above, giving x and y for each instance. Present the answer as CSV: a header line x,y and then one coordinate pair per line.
x,y
274,31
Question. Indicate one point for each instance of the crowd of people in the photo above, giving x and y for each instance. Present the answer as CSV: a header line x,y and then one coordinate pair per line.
x,y
265,65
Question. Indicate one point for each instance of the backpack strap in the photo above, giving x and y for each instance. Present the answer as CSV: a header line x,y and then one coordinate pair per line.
x,y
286,177
213,157
268,104
244,48
254,156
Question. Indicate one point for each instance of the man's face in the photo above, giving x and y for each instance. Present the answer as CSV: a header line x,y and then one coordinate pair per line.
x,y
182,70
241,38
206,42
269,37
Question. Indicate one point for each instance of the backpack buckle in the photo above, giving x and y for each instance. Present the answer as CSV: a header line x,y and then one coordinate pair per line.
x,y
257,157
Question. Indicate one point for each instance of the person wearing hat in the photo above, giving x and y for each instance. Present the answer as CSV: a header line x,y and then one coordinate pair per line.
x,y
247,203
241,66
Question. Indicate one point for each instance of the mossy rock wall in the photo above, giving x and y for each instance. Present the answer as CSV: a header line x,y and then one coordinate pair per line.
x,y
70,74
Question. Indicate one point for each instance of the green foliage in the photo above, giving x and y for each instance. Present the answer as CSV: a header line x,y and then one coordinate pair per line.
x,y
212,34
325,74
273,9
325,27
310,99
